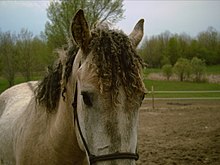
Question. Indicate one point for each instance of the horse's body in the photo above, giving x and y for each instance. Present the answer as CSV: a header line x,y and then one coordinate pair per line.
x,y
29,136
85,111
13,103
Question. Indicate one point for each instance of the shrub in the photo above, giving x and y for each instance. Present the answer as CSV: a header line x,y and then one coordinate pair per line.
x,y
182,68
198,68
167,71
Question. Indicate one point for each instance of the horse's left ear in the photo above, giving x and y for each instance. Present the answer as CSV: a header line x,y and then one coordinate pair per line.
x,y
80,30
137,33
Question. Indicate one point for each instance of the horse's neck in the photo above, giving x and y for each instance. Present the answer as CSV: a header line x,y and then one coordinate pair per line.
x,y
63,120
62,129
54,133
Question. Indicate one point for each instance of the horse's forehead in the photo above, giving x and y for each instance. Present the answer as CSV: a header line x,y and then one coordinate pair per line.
x,y
87,73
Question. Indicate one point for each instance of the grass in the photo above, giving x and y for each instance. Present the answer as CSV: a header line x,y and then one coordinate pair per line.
x,y
3,84
215,69
181,86
19,79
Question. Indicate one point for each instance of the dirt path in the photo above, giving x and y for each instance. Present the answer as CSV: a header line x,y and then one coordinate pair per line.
x,y
180,133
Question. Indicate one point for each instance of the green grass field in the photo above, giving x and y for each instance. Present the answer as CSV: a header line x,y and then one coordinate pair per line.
x,y
215,69
19,79
181,86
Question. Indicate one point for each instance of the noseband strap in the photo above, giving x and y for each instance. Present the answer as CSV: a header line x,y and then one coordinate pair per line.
x,y
93,158
114,156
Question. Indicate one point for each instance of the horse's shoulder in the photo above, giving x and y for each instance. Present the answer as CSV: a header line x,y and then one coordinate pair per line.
x,y
17,94
27,87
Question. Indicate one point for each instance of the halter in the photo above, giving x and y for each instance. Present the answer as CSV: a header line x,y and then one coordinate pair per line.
x,y
98,158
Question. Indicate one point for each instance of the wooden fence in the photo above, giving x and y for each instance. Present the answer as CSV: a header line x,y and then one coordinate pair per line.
x,y
153,98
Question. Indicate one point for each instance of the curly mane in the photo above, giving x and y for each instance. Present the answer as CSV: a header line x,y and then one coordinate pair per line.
x,y
49,89
117,62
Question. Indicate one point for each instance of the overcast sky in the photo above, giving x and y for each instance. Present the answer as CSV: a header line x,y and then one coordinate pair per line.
x,y
189,16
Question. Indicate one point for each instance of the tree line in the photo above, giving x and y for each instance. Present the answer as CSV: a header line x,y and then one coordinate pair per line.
x,y
23,53
183,55
27,54
167,48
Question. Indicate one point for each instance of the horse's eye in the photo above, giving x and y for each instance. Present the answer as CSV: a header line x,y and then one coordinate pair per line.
x,y
87,98
143,96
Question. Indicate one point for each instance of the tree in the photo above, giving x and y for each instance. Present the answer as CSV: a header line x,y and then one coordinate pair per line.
x,y
173,50
184,41
152,50
182,68
41,54
1,63
60,13
209,46
7,56
198,68
167,71
25,57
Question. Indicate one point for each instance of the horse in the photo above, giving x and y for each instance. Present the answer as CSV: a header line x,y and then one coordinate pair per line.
x,y
85,110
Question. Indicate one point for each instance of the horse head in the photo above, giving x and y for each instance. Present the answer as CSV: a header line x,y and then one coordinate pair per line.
x,y
108,91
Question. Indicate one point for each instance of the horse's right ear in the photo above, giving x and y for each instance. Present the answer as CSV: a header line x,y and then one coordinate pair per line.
x,y
80,30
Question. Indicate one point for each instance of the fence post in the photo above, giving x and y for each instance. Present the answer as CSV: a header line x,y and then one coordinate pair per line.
x,y
152,93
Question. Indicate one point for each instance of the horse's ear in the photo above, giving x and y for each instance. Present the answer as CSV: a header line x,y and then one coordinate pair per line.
x,y
80,30
137,33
